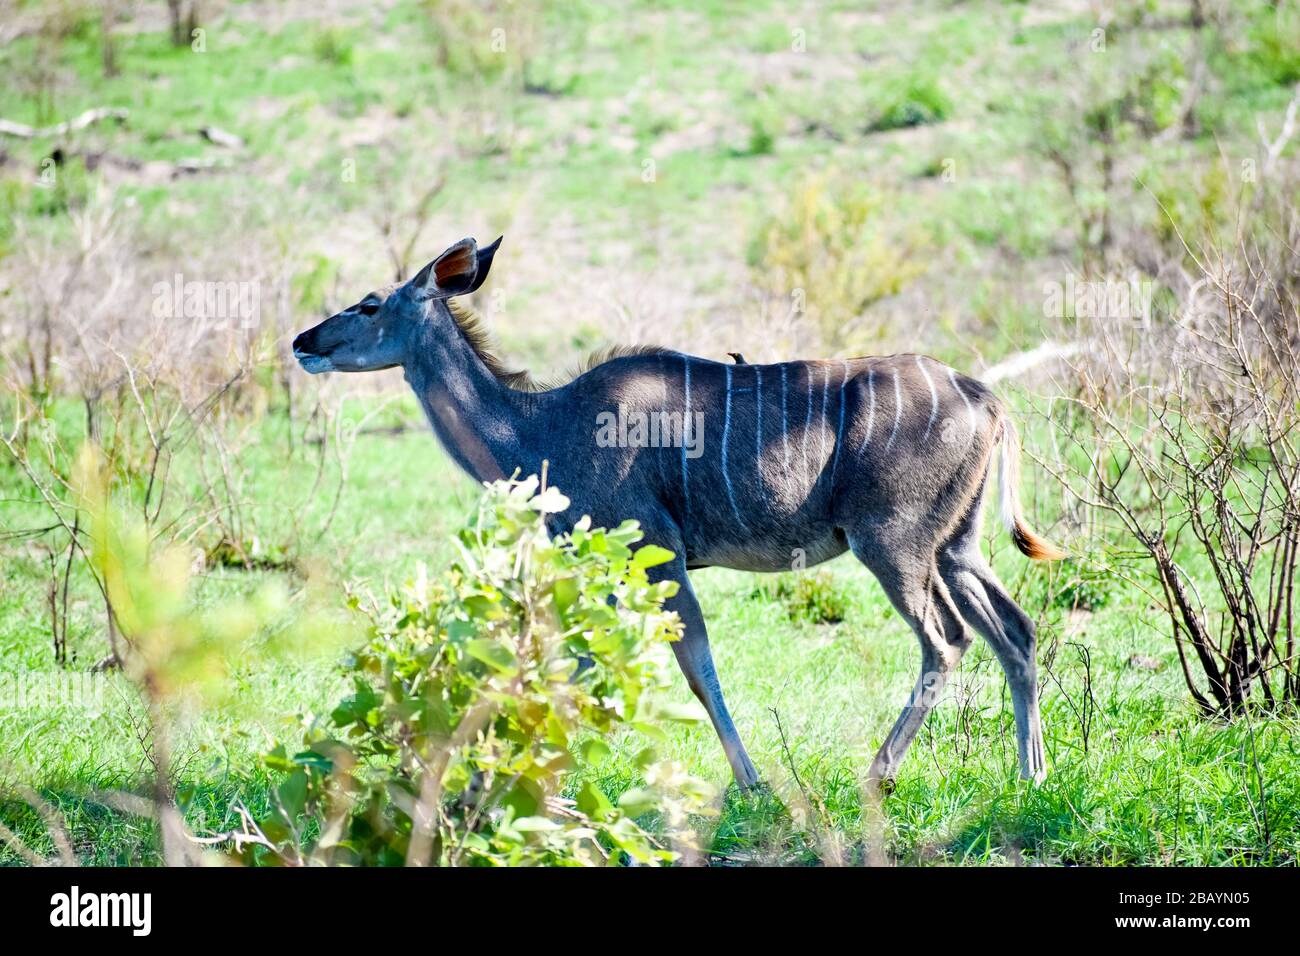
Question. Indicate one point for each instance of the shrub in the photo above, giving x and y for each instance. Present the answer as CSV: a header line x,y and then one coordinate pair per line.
x,y
1188,449
470,705
917,102
827,250
1272,49
765,123
809,596
493,41
1080,587
331,45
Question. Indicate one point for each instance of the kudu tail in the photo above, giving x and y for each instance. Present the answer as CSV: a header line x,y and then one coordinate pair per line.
x,y
1029,543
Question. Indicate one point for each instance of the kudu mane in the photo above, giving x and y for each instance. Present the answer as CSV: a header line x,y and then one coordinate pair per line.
x,y
476,333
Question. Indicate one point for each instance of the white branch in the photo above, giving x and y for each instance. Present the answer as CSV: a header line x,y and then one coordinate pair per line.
x,y
1022,362
88,118
1273,149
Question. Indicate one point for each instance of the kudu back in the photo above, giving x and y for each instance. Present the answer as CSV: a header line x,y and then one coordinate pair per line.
x,y
756,467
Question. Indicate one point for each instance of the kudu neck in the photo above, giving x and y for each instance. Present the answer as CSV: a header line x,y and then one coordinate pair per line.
x,y
481,422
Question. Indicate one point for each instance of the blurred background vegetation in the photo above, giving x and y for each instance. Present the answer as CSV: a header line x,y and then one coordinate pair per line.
x,y
827,179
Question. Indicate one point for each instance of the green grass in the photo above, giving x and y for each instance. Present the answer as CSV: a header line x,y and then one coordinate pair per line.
x,y
1151,783
295,93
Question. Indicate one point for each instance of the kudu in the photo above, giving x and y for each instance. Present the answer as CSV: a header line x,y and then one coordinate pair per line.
x,y
753,467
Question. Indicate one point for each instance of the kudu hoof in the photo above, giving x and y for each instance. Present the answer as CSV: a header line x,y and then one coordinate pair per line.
x,y
754,790
883,786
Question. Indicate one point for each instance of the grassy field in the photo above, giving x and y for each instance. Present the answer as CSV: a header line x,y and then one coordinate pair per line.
x,y
1137,776
660,172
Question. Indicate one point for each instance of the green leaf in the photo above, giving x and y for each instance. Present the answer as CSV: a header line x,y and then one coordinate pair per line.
x,y
536,825
314,761
277,759
435,653
493,653
461,631
637,801
649,555
566,593
593,802
680,713
594,751
354,709
650,730
293,795
524,798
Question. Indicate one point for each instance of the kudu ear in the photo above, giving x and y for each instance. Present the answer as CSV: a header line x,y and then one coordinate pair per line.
x,y
459,270
485,262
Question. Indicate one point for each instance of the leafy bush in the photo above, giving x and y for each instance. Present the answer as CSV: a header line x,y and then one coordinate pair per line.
x,y
333,46
1080,587
493,41
809,596
470,706
1272,49
826,249
917,102
765,125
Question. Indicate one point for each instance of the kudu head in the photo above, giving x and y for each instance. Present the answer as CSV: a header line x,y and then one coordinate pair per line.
x,y
380,331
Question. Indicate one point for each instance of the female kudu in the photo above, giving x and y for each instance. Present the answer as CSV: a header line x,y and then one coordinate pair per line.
x,y
887,457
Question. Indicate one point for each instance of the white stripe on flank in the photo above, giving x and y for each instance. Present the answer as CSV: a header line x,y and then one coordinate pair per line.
x,y
970,409
871,412
807,425
686,423
898,411
785,419
934,398
839,429
726,434
826,388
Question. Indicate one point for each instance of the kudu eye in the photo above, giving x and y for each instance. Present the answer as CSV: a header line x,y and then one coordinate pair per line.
x,y
368,308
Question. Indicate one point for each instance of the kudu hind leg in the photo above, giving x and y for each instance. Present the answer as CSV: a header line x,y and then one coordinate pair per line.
x,y
985,604
919,595
934,673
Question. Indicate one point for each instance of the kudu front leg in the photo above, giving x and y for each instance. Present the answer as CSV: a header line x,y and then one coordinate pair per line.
x,y
696,662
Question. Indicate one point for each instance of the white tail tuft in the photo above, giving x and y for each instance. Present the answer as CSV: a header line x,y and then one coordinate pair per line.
x,y
1007,468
